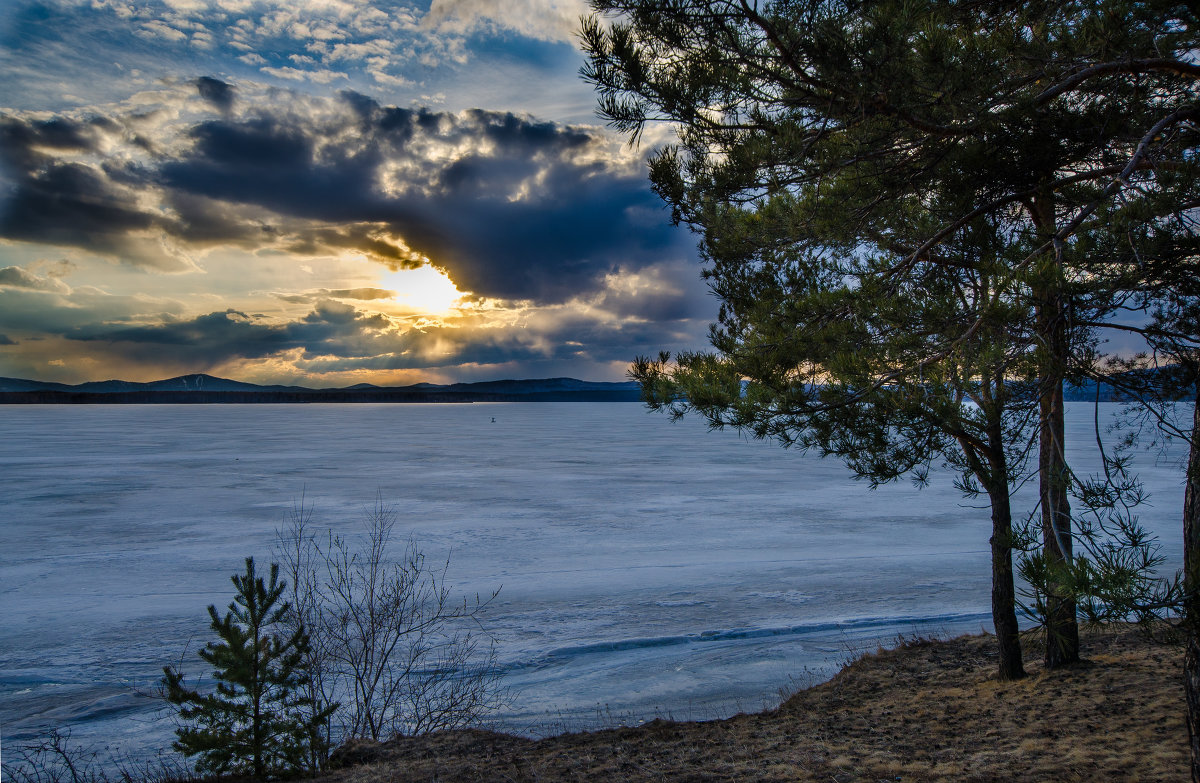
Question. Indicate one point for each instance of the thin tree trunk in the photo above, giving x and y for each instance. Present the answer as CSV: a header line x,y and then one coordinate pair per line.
x,y
260,767
1062,630
993,474
1191,583
1004,611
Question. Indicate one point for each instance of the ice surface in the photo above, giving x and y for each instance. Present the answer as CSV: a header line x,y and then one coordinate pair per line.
x,y
647,568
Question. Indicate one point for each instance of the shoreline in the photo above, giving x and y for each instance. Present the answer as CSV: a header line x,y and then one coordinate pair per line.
x,y
921,711
926,710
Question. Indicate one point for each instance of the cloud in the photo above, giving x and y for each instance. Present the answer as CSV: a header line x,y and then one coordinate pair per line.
x,y
339,331
211,339
57,197
148,141
39,312
510,207
23,143
64,53
202,341
318,76
16,277
216,92
333,34
364,294
360,294
566,259
157,30
545,20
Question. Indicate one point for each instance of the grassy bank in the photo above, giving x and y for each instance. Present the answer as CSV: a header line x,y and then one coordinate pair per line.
x,y
924,711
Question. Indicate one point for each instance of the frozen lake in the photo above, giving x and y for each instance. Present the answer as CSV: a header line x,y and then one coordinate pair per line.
x,y
647,568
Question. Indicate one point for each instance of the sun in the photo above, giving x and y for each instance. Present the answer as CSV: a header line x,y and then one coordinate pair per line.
x,y
426,290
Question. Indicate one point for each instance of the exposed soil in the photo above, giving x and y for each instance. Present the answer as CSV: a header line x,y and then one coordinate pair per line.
x,y
925,711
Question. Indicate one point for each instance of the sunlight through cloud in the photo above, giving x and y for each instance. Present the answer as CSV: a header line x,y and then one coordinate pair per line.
x,y
426,290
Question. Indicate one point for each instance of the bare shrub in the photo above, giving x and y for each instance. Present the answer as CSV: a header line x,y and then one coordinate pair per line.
x,y
389,644
56,758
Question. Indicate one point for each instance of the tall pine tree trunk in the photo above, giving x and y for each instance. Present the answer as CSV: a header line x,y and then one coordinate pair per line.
x,y
1191,583
1062,630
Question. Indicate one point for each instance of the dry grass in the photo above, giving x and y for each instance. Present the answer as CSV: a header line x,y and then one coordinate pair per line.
x,y
927,711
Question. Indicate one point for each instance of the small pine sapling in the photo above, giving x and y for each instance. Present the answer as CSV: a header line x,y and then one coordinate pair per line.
x,y
258,720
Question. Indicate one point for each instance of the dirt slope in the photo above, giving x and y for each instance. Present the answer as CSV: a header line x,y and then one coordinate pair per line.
x,y
927,711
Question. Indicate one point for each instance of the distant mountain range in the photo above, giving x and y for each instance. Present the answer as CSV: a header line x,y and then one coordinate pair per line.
x,y
200,388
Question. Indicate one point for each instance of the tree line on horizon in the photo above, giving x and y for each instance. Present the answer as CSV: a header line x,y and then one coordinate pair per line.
x,y
924,220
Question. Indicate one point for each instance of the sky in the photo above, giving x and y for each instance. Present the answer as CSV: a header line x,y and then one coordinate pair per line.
x,y
324,192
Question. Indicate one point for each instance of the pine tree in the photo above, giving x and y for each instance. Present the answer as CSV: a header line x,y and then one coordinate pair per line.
x,y
837,158
257,721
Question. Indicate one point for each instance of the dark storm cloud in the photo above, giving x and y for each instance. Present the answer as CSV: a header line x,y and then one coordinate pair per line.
x,y
511,208
19,140
205,222
204,341
216,92
331,328
227,327
265,145
54,198
74,205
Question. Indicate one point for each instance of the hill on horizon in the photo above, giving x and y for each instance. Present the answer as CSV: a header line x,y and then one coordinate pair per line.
x,y
201,387
202,382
